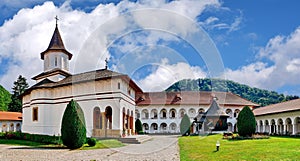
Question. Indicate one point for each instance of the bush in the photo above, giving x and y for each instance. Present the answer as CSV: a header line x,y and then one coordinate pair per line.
x,y
185,125
91,141
139,126
73,131
246,123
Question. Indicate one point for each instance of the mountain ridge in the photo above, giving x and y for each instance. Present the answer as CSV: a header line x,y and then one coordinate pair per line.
x,y
262,97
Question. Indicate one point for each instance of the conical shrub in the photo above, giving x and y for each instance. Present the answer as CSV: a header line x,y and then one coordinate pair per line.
x,y
73,130
246,123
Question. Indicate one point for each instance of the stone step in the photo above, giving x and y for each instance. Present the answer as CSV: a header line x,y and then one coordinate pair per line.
x,y
135,139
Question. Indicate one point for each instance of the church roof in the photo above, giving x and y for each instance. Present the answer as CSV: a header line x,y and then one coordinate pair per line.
x,y
50,73
10,116
190,98
56,44
293,105
84,77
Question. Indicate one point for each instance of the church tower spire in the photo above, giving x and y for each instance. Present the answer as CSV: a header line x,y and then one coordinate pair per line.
x,y
56,58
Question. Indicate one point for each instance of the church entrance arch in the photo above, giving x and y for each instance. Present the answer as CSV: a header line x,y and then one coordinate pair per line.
x,y
108,117
97,118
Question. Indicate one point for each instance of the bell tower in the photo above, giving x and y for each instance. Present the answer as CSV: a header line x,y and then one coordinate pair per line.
x,y
56,59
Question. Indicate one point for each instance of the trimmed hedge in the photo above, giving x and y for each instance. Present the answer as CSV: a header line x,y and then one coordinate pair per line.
x,y
31,137
246,123
185,125
139,126
91,141
73,131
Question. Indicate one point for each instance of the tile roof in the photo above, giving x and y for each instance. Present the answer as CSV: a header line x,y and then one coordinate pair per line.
x,y
190,98
292,105
10,116
84,77
56,44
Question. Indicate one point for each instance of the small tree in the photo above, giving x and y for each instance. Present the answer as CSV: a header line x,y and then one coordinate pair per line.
x,y
246,123
73,131
185,125
20,85
138,126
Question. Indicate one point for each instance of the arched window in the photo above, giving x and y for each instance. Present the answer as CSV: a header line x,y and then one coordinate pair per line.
x,y
137,114
192,112
201,110
145,126
153,114
97,118
108,119
163,113
18,127
182,112
11,127
236,113
172,113
229,112
153,126
145,114
163,127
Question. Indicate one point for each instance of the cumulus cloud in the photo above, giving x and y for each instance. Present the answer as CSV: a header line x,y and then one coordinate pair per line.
x,y
281,64
28,33
166,74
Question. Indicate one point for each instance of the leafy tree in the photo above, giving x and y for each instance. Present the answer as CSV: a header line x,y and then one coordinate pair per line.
x,y
185,125
138,126
246,123
20,85
4,99
73,131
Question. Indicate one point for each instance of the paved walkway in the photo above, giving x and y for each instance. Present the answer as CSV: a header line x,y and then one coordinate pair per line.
x,y
159,148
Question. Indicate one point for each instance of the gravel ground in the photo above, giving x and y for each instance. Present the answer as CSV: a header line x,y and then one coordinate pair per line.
x,y
159,148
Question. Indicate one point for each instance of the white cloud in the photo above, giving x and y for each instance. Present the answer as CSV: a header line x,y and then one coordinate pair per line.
x,y
281,66
167,74
28,33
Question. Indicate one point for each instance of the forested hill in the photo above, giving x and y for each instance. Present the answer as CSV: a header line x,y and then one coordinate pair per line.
x,y
4,99
256,95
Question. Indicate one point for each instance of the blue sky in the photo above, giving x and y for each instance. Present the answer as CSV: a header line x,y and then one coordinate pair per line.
x,y
257,40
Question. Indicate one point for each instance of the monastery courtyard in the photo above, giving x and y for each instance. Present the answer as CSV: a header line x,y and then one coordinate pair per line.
x,y
162,147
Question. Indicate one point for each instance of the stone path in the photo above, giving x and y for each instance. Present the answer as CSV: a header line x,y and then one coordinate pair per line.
x,y
159,148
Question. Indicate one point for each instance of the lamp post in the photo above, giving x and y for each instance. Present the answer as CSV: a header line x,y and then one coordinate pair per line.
x,y
218,145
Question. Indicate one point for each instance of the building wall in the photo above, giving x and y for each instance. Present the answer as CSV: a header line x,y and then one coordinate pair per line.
x,y
180,110
51,103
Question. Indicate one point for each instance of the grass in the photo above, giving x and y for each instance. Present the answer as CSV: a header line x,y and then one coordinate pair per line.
x,y
101,144
204,148
20,142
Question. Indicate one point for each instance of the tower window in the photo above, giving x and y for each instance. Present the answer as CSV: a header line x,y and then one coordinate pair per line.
x,y
35,114
55,61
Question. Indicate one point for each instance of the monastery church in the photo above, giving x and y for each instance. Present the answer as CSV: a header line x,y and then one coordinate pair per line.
x,y
111,101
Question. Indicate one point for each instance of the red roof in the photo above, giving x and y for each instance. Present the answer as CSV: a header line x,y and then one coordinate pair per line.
x,y
10,116
292,105
190,98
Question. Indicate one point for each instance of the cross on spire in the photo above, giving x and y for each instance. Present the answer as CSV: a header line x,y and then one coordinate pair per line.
x,y
56,18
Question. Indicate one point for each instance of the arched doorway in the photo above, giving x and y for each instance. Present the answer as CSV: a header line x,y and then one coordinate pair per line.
x,y
280,127
273,127
153,127
289,126
108,117
145,127
163,127
230,127
163,114
173,127
229,113
97,118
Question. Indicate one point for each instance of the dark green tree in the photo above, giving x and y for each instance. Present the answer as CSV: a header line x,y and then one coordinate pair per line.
x,y
4,99
185,125
138,126
73,130
20,85
246,123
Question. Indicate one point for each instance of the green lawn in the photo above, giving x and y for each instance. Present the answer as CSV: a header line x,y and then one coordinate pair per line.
x,y
204,148
101,144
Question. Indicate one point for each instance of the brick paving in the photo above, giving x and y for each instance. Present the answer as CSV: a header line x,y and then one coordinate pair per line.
x,y
160,148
